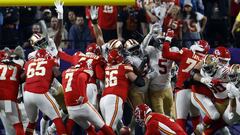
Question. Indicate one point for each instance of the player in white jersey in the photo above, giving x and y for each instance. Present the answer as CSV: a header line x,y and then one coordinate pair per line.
x,y
160,90
232,113
215,78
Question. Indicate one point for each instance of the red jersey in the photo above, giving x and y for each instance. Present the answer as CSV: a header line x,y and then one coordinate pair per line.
x,y
39,75
202,89
186,60
115,80
9,81
159,124
74,83
107,17
89,61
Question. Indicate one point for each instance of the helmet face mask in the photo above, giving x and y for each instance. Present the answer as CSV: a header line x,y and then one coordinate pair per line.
x,y
38,41
234,75
210,64
134,50
43,43
223,62
223,55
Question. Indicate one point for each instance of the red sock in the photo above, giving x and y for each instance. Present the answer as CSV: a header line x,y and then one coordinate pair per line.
x,y
91,130
59,126
207,120
19,128
30,128
217,125
182,123
195,121
106,130
70,124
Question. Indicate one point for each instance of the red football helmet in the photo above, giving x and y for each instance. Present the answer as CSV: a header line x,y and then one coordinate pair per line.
x,y
42,53
201,46
223,55
114,57
140,113
94,48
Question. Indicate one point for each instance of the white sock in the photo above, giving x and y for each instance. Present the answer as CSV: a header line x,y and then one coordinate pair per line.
x,y
43,126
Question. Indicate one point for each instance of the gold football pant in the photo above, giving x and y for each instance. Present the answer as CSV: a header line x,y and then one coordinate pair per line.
x,y
162,101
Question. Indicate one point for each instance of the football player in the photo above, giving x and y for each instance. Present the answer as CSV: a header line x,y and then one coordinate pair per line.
x,y
39,72
156,123
10,69
117,77
81,111
186,60
160,91
97,63
232,113
211,97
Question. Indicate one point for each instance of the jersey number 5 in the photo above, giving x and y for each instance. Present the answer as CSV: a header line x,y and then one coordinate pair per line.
x,y
111,80
36,68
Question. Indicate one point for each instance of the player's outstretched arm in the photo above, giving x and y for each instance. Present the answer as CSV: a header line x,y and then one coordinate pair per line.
x,y
96,28
59,9
154,30
166,53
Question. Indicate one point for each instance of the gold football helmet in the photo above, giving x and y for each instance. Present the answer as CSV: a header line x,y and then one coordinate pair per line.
x,y
210,64
132,46
38,41
115,44
234,74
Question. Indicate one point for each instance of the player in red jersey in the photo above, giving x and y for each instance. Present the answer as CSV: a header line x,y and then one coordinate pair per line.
x,y
81,111
186,60
10,71
93,58
117,82
156,123
39,74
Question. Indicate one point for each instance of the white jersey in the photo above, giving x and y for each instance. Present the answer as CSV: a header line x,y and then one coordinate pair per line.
x,y
162,66
219,90
51,48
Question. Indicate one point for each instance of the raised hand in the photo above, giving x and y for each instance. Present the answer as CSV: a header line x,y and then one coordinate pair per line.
x,y
94,12
59,8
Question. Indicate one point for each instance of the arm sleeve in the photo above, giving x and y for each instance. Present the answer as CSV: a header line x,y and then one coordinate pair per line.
x,y
66,57
166,53
145,42
99,72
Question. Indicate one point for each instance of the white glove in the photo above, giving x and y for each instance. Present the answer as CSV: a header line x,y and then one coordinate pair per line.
x,y
155,30
59,8
94,12
207,81
230,115
232,90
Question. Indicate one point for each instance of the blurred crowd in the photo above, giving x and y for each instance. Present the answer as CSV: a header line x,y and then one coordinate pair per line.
x,y
192,20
